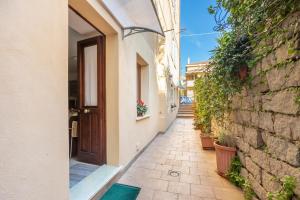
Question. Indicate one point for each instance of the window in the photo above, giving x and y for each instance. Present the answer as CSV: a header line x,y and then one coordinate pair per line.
x,y
139,81
142,83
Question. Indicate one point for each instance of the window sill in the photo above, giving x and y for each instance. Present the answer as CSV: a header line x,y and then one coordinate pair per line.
x,y
142,117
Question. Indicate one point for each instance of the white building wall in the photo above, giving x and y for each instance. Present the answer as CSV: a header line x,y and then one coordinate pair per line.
x,y
33,100
33,92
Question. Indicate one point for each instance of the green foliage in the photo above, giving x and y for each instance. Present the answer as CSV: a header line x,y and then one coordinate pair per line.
x,y
248,191
286,192
234,172
141,108
225,139
234,177
214,90
248,29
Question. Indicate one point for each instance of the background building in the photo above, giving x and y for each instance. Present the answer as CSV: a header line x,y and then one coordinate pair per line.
x,y
194,71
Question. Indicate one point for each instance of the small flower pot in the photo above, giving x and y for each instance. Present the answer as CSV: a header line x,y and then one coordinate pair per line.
x,y
224,155
207,142
243,72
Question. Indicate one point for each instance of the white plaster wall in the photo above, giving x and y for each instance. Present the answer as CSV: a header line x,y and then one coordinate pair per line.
x,y
134,135
33,94
125,133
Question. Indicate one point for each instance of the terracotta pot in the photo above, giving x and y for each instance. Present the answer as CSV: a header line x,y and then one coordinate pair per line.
x,y
207,142
224,155
243,72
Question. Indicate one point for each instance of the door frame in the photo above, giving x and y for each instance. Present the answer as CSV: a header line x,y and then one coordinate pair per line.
x,y
101,85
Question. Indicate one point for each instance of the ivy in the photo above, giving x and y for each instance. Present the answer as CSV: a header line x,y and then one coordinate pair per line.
x,y
286,192
250,30
234,177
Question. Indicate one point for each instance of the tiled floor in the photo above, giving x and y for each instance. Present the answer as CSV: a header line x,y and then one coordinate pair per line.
x,y
179,150
79,170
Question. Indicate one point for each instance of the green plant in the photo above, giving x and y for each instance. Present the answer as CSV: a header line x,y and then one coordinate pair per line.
x,y
234,172
248,191
248,29
141,108
202,112
286,192
234,177
225,139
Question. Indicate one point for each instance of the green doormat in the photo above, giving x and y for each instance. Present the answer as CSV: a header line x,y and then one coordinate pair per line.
x,y
121,192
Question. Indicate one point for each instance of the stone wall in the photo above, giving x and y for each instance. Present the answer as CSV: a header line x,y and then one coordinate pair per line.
x,y
266,118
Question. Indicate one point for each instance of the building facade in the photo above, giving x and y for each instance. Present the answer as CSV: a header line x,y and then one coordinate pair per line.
x,y
82,60
194,71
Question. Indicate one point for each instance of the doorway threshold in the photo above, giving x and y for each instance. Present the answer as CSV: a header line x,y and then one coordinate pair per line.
x,y
93,184
79,170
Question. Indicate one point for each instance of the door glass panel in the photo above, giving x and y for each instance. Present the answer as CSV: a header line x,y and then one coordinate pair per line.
x,y
90,76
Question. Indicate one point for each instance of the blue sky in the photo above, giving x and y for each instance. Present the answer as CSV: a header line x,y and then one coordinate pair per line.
x,y
196,20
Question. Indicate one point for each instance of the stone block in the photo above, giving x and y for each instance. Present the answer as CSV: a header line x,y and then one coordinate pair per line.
x,y
254,119
240,117
244,173
281,169
253,137
241,155
257,100
266,121
287,127
260,158
257,188
282,149
268,62
236,102
243,146
269,182
281,78
282,102
254,169
237,129
247,103
281,53
293,78
260,84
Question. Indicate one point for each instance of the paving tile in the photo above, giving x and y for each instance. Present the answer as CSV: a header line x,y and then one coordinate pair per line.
x,y
166,176
189,197
159,195
181,169
189,163
202,191
180,188
156,184
164,168
173,162
145,194
211,181
179,149
197,171
186,178
228,194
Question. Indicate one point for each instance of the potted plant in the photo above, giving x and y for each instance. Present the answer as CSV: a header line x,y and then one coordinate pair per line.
x,y
141,108
225,152
204,130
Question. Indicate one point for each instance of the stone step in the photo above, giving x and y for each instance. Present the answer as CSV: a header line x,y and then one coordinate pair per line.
x,y
186,112
185,115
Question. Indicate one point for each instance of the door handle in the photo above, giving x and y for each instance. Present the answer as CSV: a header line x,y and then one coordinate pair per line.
x,y
85,111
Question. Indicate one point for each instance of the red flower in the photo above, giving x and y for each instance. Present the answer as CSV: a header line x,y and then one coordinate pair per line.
x,y
140,102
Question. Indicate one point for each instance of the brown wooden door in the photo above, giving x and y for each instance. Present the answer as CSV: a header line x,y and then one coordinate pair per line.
x,y
92,130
